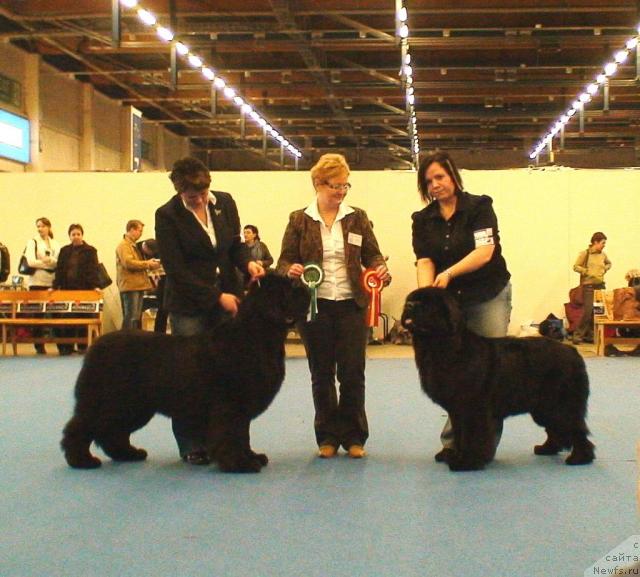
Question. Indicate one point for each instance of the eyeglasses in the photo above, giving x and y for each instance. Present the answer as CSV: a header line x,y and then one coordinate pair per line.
x,y
345,186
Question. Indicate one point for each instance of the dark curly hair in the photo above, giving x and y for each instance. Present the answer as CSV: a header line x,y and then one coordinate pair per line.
x,y
185,168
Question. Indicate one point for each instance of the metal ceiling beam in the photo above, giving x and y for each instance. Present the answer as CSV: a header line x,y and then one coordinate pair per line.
x,y
285,17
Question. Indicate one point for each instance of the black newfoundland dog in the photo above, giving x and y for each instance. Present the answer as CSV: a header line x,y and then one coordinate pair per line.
x,y
224,380
479,381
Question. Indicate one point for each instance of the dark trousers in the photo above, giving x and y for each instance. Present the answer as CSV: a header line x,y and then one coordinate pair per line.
x,y
584,330
37,331
191,437
160,324
335,343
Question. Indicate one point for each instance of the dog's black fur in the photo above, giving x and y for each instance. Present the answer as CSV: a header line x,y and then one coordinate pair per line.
x,y
224,380
479,381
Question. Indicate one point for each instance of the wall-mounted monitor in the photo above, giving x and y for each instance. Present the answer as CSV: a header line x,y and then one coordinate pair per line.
x,y
15,137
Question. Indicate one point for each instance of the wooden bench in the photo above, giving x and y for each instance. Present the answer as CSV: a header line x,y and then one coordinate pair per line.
x,y
603,321
63,308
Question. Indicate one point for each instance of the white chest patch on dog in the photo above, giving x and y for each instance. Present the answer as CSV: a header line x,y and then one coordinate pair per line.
x,y
483,237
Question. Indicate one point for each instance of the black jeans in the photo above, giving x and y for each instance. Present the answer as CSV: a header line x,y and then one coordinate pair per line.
x,y
335,343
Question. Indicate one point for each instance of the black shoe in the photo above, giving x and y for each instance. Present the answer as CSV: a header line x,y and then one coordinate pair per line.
x,y
199,457
612,351
635,352
40,350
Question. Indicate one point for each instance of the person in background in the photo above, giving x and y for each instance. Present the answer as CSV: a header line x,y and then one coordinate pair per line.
x,y
133,275
339,238
198,234
77,269
258,250
457,247
149,249
592,264
42,254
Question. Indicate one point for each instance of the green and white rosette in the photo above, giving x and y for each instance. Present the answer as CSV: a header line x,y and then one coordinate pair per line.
x,y
312,276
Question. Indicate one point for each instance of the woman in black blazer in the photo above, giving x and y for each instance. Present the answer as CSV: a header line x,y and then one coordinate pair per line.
x,y
198,234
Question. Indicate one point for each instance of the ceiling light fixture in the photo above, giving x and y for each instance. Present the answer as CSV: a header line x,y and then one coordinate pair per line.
x,y
406,73
197,62
585,97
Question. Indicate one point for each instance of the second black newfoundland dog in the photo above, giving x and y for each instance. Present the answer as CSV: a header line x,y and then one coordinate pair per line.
x,y
479,381
224,380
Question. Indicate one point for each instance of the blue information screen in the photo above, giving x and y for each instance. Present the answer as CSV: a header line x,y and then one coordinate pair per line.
x,y
14,137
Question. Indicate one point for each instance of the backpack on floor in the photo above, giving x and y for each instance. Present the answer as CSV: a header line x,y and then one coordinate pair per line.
x,y
552,327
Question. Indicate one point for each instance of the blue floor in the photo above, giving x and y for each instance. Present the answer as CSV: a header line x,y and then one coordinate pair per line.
x,y
395,514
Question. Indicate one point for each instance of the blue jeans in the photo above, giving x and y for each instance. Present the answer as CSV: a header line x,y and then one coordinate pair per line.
x,y
488,319
189,438
131,309
491,318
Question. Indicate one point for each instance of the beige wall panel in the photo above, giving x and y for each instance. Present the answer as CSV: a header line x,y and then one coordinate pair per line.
x,y
545,218
107,123
60,102
59,150
107,158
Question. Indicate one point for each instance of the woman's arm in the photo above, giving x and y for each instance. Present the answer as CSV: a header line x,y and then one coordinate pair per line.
x,y
426,272
476,259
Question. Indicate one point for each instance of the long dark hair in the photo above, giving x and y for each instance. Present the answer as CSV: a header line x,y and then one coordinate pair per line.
x,y
444,160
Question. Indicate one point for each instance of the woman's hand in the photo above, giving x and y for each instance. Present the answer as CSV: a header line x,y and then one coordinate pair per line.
x,y
442,280
295,270
229,302
382,272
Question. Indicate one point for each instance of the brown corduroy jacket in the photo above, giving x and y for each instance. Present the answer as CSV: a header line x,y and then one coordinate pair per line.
x,y
302,243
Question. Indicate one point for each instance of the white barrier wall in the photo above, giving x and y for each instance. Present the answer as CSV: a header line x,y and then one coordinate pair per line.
x,y
546,217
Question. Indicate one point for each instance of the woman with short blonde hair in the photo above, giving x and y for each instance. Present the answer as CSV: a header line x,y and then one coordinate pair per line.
x,y
337,241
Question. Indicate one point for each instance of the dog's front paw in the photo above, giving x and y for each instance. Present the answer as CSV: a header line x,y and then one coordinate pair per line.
x,y
244,464
443,456
581,455
261,458
130,454
547,448
459,463
89,462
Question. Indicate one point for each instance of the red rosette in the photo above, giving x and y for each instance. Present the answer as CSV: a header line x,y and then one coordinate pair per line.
x,y
373,286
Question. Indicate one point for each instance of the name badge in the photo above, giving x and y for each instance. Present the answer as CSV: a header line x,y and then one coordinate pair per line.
x,y
483,237
355,239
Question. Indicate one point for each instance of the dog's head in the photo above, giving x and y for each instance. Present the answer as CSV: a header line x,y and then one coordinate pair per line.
x,y
278,299
432,312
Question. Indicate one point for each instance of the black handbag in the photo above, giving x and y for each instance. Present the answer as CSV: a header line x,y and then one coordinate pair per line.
x,y
104,280
23,266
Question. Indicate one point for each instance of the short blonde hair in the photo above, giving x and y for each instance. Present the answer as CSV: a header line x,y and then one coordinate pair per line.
x,y
329,166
